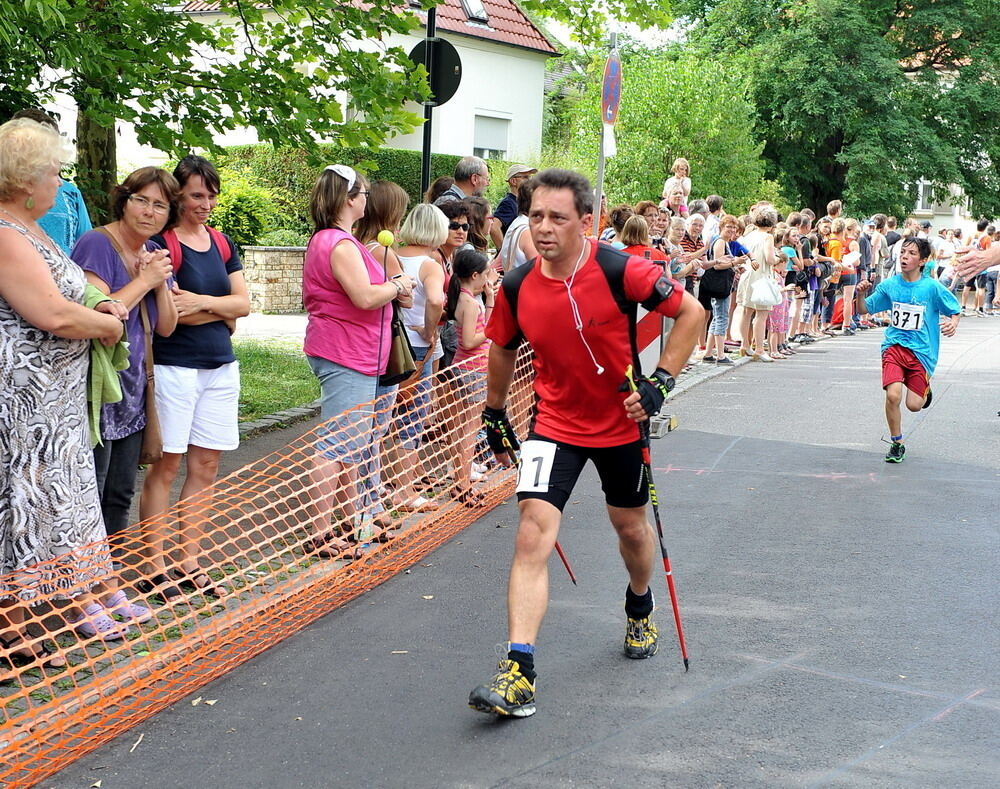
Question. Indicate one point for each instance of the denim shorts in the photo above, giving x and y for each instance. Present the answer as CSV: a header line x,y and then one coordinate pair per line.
x,y
346,409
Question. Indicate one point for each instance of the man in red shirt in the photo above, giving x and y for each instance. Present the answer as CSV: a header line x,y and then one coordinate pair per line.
x,y
566,309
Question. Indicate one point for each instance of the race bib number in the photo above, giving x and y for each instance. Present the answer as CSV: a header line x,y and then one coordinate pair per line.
x,y
536,466
909,317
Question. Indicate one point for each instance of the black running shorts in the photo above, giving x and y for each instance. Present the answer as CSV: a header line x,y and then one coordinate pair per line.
x,y
550,469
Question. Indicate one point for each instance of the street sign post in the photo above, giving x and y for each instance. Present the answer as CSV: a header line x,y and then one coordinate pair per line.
x,y
611,94
444,73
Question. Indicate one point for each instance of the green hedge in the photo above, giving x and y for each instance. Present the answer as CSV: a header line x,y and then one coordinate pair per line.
x,y
289,174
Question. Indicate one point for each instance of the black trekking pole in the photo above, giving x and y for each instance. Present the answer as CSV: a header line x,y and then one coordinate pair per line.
x,y
648,468
559,550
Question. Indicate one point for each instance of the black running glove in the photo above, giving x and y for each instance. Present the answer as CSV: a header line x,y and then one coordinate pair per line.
x,y
653,390
499,434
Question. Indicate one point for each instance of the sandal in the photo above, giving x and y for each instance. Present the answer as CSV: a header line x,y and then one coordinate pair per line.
x,y
418,504
468,496
330,546
190,583
161,585
29,653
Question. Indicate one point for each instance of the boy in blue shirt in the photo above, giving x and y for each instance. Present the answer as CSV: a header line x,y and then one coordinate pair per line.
x,y
921,309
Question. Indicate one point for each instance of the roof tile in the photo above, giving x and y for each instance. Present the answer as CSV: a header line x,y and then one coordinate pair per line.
x,y
507,23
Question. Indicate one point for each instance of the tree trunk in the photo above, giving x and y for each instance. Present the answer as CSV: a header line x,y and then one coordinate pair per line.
x,y
97,164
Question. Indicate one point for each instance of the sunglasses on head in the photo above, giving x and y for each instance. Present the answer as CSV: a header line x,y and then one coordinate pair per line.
x,y
458,226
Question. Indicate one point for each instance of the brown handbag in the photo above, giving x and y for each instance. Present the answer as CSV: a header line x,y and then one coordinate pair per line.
x,y
152,438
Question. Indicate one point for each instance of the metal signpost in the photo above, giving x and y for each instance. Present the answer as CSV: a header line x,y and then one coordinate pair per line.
x,y
611,94
444,73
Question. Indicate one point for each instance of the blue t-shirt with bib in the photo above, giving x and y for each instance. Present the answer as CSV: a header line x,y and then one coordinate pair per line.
x,y
917,329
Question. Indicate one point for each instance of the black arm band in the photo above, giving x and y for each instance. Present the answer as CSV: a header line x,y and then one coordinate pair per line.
x,y
663,289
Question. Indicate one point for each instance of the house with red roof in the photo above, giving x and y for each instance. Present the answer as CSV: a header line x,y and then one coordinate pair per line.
x,y
497,110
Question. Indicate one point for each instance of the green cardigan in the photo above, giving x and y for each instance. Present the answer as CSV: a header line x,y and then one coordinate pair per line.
x,y
103,385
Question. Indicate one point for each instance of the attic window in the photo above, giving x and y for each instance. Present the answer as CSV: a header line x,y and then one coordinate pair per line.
x,y
475,11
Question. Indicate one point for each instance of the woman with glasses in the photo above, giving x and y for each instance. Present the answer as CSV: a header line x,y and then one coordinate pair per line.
x,y
197,375
120,259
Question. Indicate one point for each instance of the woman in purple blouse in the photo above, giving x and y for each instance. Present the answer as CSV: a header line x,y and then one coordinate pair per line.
x,y
120,260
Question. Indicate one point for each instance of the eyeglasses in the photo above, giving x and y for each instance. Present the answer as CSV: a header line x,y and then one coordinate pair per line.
x,y
145,202
458,226
364,192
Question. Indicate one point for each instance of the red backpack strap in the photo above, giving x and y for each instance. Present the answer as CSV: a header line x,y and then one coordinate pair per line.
x,y
174,248
221,243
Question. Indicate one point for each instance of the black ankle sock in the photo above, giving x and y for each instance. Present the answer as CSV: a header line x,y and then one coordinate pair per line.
x,y
525,661
638,606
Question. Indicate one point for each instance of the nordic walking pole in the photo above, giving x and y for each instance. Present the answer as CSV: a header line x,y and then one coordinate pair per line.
x,y
559,550
647,463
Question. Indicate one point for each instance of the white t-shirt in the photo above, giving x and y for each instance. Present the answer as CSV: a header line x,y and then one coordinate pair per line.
x,y
672,182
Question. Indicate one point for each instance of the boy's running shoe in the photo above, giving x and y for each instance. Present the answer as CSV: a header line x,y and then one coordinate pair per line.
x,y
640,638
927,402
895,453
510,694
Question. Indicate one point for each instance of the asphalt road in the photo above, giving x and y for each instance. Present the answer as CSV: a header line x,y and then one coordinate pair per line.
x,y
841,615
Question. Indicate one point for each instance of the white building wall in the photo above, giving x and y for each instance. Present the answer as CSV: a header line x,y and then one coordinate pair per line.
x,y
498,81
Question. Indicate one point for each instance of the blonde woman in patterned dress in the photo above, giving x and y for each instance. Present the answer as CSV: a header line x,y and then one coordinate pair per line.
x,y
49,507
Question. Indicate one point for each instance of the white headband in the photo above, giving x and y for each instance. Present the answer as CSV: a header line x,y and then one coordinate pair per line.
x,y
345,172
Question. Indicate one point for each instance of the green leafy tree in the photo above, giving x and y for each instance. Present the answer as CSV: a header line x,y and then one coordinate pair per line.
x,y
591,22
859,99
673,104
183,79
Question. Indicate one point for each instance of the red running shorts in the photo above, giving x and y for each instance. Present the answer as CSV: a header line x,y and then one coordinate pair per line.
x,y
900,365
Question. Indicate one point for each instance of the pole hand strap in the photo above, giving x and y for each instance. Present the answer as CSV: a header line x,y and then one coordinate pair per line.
x,y
652,389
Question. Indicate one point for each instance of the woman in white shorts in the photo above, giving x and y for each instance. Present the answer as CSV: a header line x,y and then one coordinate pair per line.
x,y
197,375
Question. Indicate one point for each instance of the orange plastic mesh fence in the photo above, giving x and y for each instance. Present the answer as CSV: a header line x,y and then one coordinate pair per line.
x,y
287,538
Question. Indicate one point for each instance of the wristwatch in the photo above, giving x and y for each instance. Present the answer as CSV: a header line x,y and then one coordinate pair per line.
x,y
664,379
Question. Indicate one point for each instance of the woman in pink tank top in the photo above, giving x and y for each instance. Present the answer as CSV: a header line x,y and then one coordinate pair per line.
x,y
348,300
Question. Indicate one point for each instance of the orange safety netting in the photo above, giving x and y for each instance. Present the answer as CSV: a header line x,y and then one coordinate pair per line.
x,y
254,532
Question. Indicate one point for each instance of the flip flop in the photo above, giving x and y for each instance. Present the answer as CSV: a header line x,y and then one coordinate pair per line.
x,y
419,504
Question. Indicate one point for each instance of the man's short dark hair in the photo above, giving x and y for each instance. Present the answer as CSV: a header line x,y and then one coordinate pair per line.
x,y
714,203
991,230
922,244
524,192
583,194
981,225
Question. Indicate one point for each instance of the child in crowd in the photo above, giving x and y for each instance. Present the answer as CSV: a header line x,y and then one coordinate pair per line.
x,y
471,291
921,309
777,318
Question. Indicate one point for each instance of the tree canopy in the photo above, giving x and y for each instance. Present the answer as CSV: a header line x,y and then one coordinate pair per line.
x,y
860,99
183,79
670,108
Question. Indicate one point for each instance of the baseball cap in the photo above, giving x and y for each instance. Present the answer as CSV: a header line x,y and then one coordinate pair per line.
x,y
520,169
870,221
925,223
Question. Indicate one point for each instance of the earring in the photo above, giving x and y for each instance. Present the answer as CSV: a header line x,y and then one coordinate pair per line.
x,y
29,203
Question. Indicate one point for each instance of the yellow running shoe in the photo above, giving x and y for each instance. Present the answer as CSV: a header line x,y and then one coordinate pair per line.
x,y
640,638
510,694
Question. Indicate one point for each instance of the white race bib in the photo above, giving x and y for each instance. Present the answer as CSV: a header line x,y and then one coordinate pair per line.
x,y
536,466
909,317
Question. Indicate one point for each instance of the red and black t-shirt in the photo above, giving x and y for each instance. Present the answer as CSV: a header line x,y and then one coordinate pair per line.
x,y
576,405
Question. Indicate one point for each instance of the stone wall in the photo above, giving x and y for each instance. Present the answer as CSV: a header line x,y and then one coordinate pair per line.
x,y
274,278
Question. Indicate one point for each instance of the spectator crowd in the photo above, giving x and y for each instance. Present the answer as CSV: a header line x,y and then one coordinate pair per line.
x,y
116,351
